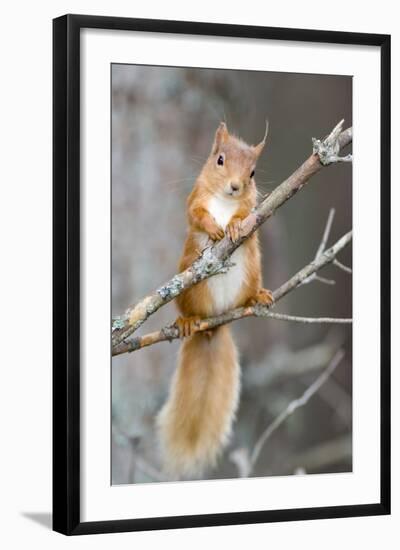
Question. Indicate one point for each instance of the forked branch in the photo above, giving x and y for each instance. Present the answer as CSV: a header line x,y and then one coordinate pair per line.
x,y
171,332
245,461
215,259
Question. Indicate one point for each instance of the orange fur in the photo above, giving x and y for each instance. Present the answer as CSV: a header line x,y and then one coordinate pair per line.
x,y
197,419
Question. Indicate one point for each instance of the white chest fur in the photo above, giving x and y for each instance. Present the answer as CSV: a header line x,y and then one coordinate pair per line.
x,y
222,209
225,288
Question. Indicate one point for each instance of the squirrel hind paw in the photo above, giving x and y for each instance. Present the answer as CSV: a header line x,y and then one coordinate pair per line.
x,y
263,296
216,234
187,326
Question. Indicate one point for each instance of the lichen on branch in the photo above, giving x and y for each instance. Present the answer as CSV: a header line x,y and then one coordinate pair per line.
x,y
171,332
215,259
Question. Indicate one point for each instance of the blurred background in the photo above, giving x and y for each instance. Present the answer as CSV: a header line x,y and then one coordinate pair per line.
x,y
163,124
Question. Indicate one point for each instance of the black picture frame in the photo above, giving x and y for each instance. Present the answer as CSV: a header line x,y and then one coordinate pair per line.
x,y
66,272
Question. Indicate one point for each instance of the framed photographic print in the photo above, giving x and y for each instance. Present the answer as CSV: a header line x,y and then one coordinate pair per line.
x,y
221,274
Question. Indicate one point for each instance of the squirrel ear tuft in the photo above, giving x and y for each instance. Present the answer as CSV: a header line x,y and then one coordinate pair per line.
x,y
259,148
221,135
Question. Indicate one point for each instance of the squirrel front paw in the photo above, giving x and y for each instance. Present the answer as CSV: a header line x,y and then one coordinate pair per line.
x,y
233,229
214,231
187,326
263,296
217,234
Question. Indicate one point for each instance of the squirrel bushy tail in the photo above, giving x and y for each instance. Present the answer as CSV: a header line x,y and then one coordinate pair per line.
x,y
196,421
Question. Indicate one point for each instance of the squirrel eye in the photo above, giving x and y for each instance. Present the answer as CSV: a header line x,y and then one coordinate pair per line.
x,y
252,174
220,160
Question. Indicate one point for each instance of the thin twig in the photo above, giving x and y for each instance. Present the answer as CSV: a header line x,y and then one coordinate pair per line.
x,y
324,280
321,320
294,405
342,266
320,250
326,258
326,233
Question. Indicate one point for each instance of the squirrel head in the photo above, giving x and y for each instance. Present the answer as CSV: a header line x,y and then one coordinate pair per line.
x,y
230,168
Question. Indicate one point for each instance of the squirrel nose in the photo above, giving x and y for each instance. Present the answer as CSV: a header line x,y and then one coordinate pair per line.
x,y
235,187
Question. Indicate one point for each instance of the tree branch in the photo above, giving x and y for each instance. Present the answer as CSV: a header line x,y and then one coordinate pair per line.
x,y
343,267
321,248
171,332
310,320
247,463
329,148
215,259
293,405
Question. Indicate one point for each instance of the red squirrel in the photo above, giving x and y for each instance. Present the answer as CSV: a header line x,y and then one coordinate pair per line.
x,y
196,421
